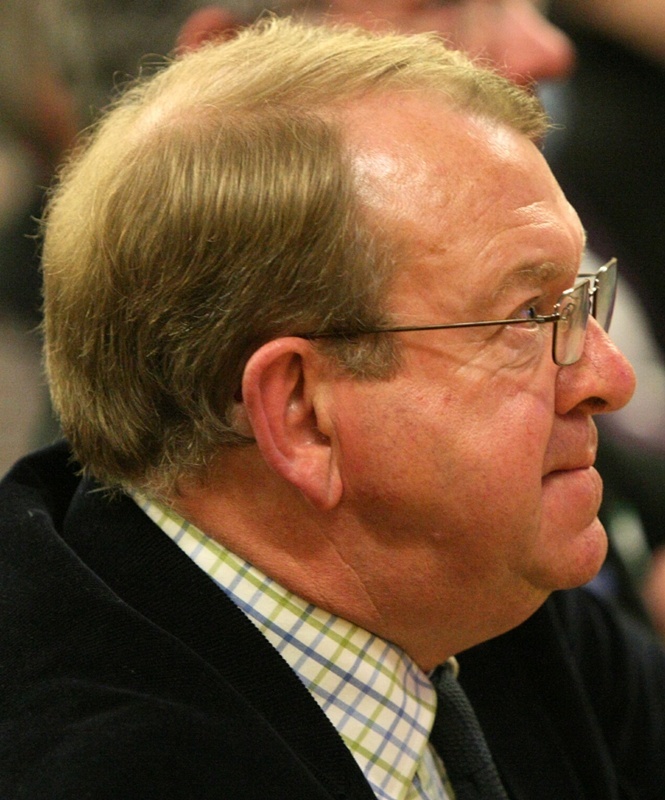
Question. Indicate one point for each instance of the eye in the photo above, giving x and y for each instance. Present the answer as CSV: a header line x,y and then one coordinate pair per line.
x,y
429,4
528,311
524,343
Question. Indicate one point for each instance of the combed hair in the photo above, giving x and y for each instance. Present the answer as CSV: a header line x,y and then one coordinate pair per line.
x,y
212,210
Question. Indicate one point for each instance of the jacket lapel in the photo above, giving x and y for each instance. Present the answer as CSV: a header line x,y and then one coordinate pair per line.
x,y
150,573
531,705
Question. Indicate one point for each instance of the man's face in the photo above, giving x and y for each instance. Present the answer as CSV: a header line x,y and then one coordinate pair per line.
x,y
471,469
512,34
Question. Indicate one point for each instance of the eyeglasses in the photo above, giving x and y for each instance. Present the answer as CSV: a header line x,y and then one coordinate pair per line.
x,y
592,295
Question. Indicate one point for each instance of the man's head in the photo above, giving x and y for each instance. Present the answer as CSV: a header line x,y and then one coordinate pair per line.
x,y
303,181
215,210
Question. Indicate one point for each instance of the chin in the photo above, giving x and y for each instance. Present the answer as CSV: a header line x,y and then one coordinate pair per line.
x,y
573,540
582,561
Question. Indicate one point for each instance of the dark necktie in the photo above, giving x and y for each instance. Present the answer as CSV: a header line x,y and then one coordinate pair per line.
x,y
460,743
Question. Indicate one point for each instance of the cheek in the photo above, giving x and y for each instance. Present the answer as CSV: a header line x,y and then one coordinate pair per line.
x,y
461,458
495,431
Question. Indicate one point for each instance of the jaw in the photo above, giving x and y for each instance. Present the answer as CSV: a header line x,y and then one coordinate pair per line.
x,y
572,543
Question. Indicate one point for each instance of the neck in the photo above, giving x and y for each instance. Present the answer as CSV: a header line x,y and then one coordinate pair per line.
x,y
382,583
248,509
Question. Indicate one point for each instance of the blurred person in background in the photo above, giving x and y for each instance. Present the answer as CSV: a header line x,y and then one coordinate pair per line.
x,y
512,35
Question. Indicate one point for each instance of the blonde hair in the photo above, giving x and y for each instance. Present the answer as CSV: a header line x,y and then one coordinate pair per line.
x,y
212,210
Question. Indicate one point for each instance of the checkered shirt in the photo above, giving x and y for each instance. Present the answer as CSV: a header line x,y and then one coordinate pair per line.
x,y
377,698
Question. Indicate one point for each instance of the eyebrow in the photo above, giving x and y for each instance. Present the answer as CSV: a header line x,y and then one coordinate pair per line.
x,y
537,274
531,275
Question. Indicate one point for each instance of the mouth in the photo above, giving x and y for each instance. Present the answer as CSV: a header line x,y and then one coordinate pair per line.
x,y
582,467
574,479
573,450
576,485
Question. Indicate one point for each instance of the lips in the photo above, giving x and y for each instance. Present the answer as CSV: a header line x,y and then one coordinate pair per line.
x,y
575,465
573,447
579,485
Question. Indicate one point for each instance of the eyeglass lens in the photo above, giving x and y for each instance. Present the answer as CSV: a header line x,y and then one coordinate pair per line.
x,y
570,329
603,299
575,305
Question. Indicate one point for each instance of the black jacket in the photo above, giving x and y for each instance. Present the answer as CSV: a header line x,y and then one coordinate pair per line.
x,y
126,673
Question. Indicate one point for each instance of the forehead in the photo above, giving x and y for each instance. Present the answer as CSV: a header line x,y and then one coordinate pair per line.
x,y
467,200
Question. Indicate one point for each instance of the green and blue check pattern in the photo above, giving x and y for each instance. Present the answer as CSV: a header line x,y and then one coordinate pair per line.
x,y
377,698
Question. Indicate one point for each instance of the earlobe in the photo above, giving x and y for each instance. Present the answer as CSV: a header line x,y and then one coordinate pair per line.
x,y
284,396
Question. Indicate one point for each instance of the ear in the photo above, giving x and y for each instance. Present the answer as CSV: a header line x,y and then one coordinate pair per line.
x,y
284,393
211,22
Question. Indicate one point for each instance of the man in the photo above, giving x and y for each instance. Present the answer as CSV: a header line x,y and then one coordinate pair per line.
x,y
515,37
312,312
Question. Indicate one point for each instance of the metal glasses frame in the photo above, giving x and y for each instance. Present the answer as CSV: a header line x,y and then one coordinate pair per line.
x,y
583,296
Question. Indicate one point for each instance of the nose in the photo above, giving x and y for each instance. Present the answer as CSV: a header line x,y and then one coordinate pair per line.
x,y
533,49
600,382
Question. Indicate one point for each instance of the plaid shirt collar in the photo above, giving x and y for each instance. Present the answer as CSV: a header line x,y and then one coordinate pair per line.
x,y
377,698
